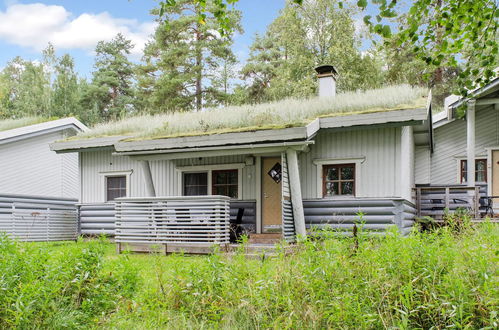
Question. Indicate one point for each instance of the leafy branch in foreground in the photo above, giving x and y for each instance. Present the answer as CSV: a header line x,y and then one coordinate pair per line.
x,y
446,33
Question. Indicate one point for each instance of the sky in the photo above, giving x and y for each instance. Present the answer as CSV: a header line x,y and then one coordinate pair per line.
x,y
75,27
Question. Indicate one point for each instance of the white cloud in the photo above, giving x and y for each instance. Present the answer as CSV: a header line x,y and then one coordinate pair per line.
x,y
35,25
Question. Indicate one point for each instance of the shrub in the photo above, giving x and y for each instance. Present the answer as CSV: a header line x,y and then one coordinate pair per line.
x,y
59,288
425,280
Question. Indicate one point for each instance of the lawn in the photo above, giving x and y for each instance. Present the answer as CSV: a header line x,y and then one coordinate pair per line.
x,y
434,279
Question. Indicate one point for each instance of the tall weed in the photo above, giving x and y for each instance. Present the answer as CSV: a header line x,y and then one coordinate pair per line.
x,y
41,286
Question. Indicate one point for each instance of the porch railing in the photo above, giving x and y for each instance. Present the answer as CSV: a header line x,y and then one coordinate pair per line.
x,y
435,201
190,220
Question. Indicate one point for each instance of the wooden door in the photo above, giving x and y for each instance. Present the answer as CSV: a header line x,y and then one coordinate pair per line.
x,y
271,197
495,176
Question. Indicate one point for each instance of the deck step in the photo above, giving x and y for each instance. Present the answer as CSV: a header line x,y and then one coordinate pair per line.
x,y
270,238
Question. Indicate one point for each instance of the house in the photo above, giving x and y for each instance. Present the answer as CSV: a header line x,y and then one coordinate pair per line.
x,y
29,167
286,167
466,140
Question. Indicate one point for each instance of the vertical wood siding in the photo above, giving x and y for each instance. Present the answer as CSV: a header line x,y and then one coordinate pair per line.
x,y
450,143
379,172
422,172
164,173
29,167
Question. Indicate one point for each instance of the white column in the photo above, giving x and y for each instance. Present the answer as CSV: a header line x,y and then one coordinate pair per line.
x,y
470,149
295,188
146,173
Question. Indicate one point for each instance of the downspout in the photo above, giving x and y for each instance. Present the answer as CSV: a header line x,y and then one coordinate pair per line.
x,y
470,150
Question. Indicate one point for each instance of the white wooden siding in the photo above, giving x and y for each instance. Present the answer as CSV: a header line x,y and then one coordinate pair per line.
x,y
378,147
29,167
422,172
450,145
164,174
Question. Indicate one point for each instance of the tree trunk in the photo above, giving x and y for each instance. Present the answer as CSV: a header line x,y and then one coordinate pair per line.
x,y
199,70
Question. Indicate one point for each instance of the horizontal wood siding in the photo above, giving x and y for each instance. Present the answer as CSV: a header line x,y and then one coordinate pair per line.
x,y
97,219
249,214
379,172
341,215
450,143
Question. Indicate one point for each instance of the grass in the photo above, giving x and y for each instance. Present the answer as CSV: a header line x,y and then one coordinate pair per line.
x,y
7,124
438,279
285,113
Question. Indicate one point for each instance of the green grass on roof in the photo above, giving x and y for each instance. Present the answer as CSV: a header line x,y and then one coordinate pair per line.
x,y
280,114
7,124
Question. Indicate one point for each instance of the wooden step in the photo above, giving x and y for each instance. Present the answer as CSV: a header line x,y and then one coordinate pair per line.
x,y
270,238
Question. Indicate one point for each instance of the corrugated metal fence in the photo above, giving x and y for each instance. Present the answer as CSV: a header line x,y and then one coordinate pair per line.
x,y
37,218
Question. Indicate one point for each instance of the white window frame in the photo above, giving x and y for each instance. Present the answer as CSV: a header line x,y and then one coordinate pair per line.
x,y
458,167
105,175
209,170
320,163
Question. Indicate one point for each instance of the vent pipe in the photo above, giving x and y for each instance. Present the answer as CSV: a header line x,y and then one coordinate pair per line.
x,y
326,74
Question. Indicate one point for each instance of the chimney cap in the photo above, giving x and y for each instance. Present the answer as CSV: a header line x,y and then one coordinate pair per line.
x,y
325,69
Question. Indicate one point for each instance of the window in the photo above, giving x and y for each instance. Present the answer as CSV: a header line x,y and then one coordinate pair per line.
x,y
338,180
225,182
195,184
115,187
480,170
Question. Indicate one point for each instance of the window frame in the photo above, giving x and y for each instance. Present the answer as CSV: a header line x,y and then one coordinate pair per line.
x,y
105,175
340,181
195,172
460,163
213,184
209,169
320,163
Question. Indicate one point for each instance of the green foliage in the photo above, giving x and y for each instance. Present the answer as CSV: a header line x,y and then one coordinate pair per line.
x,y
302,37
447,33
69,287
433,280
187,64
111,91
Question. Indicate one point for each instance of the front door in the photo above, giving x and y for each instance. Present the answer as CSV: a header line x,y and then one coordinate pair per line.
x,y
495,176
271,195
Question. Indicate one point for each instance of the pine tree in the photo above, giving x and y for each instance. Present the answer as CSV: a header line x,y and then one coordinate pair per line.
x,y
182,63
112,90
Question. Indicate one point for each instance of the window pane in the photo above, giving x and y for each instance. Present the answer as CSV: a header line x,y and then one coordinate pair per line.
x,y
195,184
481,170
347,188
115,187
232,191
225,183
347,173
332,173
331,188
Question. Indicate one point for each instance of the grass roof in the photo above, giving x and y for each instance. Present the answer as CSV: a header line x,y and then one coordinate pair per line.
x,y
7,124
273,115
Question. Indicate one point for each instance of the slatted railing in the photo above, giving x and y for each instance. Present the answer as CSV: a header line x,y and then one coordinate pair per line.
x,y
189,220
435,201
36,218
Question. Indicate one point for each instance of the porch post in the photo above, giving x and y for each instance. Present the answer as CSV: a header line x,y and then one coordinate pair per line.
x,y
295,187
146,172
470,121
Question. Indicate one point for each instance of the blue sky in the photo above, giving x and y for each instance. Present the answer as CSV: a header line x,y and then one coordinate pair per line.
x,y
74,27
